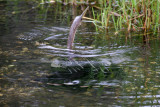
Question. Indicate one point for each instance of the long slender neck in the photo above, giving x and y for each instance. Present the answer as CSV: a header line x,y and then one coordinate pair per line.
x,y
77,21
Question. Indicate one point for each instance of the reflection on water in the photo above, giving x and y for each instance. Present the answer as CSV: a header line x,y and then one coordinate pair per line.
x,y
104,70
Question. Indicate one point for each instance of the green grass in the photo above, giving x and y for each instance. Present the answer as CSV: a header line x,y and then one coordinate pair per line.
x,y
132,15
128,15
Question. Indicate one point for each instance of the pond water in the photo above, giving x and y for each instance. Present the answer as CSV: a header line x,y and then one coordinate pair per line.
x,y
103,69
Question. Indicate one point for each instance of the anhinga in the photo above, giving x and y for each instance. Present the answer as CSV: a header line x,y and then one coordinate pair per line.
x,y
77,21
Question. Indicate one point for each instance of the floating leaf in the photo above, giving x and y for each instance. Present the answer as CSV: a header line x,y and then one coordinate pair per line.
x,y
19,42
140,59
14,60
24,49
37,43
1,94
153,62
11,65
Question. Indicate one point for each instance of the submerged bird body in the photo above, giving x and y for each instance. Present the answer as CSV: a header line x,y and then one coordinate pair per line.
x,y
77,21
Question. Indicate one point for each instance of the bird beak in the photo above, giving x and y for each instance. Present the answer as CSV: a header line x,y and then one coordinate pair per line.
x,y
84,12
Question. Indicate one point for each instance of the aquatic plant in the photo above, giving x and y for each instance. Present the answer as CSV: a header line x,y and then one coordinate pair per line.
x,y
74,2
131,14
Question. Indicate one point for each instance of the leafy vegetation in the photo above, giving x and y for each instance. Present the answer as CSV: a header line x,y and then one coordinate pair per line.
x,y
135,15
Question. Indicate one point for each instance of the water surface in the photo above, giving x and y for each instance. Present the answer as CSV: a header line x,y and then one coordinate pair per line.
x,y
103,69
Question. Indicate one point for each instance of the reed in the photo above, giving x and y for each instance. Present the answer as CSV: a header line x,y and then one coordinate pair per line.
x,y
129,15
133,15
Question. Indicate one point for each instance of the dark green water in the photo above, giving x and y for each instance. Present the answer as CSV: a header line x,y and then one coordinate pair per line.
x,y
35,70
